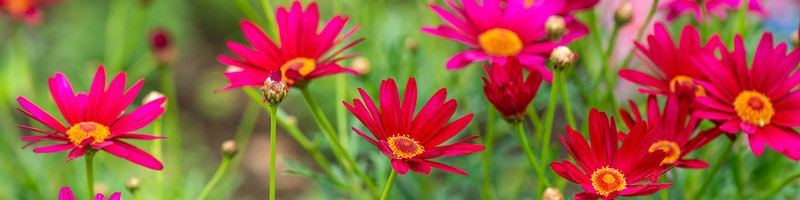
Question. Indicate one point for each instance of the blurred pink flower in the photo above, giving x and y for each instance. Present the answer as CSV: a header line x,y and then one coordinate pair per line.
x,y
25,11
718,8
66,194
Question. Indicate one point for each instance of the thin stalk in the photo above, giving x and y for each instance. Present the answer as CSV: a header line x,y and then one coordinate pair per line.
x,y
158,155
714,168
565,94
220,171
541,178
325,125
736,171
537,123
389,183
664,193
89,156
273,123
136,196
341,112
267,8
172,125
487,158
608,72
548,121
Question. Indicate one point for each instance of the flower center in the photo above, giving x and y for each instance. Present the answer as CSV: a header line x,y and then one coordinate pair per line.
x,y
607,180
672,150
754,107
500,42
80,131
404,147
301,65
688,82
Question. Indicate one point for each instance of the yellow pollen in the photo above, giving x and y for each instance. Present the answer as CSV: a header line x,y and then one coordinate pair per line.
x,y
500,42
672,150
686,81
301,64
754,107
80,131
607,180
404,147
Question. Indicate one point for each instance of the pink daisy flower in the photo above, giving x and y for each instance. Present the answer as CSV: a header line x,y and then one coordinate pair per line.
x,y
304,53
762,101
495,31
66,194
95,121
718,8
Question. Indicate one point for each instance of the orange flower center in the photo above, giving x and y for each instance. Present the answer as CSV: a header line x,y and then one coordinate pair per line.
x,y
18,7
404,147
607,180
301,65
754,107
80,131
688,82
500,42
672,150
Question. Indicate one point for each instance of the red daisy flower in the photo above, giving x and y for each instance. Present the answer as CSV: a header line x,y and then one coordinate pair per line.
x,y
673,129
762,101
302,56
410,141
66,194
718,8
610,171
508,91
95,119
673,66
495,31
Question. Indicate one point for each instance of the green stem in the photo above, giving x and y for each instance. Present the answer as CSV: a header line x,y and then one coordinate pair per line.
x,y
89,156
548,121
158,155
565,94
531,158
608,73
487,158
664,193
717,165
341,112
777,188
736,167
322,121
265,5
136,195
389,184
537,123
220,171
272,126
172,127
248,10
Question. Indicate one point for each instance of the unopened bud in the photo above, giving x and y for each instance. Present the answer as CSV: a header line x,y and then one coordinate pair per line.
x,y
555,27
161,45
230,148
796,39
275,89
152,96
361,65
411,44
624,14
552,194
562,57
133,184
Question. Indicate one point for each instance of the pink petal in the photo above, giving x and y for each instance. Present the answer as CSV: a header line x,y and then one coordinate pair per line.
x,y
54,148
399,165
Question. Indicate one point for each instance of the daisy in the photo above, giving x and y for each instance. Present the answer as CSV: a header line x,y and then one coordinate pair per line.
x,y
410,141
66,194
610,171
762,100
718,8
495,31
508,90
95,121
305,53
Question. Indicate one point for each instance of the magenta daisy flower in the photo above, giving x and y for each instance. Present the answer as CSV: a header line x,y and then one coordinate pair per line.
x,y
672,64
718,8
95,121
495,31
66,194
762,101
305,53
410,141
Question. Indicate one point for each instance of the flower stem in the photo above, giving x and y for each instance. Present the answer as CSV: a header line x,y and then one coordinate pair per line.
x,y
348,163
272,126
136,195
89,156
531,158
548,121
220,171
389,183
487,158
157,126
567,108
710,175
537,123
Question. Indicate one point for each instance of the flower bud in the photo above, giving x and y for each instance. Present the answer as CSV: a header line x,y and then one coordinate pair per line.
x,y
624,14
411,44
152,96
562,57
796,38
361,65
161,45
552,194
230,148
555,27
133,184
275,89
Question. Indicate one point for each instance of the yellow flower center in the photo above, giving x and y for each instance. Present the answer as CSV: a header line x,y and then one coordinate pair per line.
x,y
672,150
80,131
688,82
300,64
500,42
607,180
754,107
404,147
